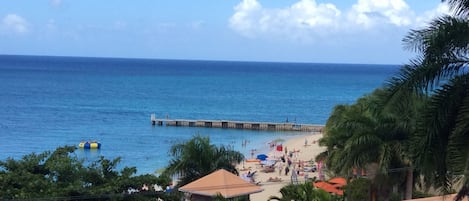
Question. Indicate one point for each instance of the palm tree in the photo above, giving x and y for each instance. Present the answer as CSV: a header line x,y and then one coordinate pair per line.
x,y
303,192
367,133
197,157
440,72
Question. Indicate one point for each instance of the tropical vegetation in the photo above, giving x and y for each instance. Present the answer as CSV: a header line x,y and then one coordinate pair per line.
x,y
419,122
60,175
365,136
220,197
440,72
196,158
304,192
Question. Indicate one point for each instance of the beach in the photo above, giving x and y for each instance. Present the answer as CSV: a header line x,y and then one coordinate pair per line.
x,y
302,150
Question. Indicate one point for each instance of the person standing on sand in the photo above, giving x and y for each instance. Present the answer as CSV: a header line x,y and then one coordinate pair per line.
x,y
287,169
280,168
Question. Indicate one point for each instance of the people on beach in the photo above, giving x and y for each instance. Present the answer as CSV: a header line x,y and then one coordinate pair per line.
x,y
280,168
252,152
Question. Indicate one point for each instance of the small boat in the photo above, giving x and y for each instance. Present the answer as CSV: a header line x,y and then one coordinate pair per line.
x,y
90,145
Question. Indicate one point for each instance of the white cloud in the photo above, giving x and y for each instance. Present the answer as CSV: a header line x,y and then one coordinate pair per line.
x,y
369,13
307,19
245,16
251,19
15,23
440,10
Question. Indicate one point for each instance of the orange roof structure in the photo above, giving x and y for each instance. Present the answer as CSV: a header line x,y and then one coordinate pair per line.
x,y
221,182
328,187
338,181
436,198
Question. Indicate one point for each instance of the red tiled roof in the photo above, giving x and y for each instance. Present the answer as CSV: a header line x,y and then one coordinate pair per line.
x,y
338,181
328,187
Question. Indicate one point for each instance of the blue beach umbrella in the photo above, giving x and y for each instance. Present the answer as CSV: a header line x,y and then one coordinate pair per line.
x,y
261,157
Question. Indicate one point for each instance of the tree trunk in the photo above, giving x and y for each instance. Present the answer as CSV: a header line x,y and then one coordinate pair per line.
x,y
409,184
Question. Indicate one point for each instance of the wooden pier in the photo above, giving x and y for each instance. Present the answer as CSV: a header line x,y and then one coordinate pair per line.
x,y
274,126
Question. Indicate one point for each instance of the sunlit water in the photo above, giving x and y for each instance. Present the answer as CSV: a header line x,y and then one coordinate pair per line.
x,y
46,102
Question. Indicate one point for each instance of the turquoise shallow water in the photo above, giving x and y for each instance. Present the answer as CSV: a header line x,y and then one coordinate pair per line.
x,y
47,102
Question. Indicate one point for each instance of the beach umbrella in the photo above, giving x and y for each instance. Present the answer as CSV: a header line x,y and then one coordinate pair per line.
x,y
262,157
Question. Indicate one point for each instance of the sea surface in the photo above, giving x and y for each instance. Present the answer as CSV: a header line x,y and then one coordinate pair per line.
x,y
47,102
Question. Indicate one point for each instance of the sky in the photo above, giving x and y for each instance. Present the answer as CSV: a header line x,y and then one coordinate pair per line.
x,y
317,31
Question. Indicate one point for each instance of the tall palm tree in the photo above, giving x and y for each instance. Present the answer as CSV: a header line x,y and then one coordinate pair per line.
x,y
366,133
440,72
197,157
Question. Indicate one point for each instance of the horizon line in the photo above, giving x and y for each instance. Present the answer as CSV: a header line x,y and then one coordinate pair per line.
x,y
195,60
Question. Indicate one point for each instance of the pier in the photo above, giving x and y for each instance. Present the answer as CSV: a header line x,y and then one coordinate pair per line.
x,y
273,126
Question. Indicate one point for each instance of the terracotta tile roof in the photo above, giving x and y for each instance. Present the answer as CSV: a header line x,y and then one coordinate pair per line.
x,y
223,182
328,187
338,181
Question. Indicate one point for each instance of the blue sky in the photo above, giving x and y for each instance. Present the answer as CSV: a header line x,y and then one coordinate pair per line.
x,y
332,31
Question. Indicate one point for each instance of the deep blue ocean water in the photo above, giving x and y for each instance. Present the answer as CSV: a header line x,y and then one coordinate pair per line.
x,y
46,102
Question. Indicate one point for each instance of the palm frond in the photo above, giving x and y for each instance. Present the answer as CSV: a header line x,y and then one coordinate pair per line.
x,y
445,36
459,7
433,142
463,192
458,148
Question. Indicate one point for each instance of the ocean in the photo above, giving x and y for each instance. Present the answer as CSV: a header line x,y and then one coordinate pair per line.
x,y
47,102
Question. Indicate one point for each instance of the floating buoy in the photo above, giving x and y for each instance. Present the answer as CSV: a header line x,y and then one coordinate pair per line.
x,y
89,145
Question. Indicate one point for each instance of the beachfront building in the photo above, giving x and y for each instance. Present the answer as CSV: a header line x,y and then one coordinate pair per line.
x,y
220,182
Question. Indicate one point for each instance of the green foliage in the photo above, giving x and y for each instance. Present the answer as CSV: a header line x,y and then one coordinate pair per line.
x,y
304,192
395,197
373,136
420,194
61,175
440,73
220,197
364,133
197,157
358,190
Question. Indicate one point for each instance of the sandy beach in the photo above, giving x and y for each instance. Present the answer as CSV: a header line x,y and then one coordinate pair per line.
x,y
304,148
